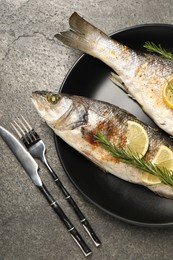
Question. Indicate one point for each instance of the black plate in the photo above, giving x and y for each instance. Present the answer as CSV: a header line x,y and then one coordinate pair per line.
x,y
90,77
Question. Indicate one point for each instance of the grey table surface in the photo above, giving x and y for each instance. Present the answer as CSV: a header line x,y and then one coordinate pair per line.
x,y
30,59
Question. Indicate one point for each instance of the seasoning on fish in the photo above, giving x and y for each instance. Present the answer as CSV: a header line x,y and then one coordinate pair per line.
x,y
143,75
78,119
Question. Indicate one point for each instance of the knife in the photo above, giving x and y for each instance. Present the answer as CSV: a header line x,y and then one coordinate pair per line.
x,y
31,168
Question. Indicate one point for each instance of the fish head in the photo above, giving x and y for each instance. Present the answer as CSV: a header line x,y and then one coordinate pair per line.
x,y
51,106
60,111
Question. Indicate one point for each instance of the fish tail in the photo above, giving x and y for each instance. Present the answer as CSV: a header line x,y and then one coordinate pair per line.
x,y
83,35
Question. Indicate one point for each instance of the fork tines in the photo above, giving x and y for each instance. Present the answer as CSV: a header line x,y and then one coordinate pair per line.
x,y
25,132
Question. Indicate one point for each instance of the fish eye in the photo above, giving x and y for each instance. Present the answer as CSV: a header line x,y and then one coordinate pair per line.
x,y
52,98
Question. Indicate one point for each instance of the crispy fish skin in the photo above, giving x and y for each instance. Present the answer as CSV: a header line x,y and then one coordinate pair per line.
x,y
76,119
143,75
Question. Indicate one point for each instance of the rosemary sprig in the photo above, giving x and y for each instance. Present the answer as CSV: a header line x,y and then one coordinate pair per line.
x,y
134,160
152,47
170,85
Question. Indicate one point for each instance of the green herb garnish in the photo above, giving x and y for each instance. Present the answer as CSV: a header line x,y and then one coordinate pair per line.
x,y
129,157
152,47
170,85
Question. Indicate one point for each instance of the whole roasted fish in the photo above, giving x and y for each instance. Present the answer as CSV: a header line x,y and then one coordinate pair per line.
x,y
143,75
77,119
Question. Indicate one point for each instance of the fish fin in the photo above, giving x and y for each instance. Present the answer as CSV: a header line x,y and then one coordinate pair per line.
x,y
115,78
79,24
82,36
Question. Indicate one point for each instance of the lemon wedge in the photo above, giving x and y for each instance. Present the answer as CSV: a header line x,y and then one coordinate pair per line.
x,y
167,94
150,179
137,138
163,158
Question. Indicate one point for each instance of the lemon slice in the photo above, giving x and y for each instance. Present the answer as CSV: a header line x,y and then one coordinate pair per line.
x,y
137,138
167,94
163,158
150,179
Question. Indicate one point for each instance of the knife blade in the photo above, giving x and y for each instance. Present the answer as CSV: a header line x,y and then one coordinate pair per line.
x,y
31,168
24,157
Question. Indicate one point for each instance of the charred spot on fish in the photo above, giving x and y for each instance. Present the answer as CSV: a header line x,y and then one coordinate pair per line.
x,y
112,133
88,136
51,98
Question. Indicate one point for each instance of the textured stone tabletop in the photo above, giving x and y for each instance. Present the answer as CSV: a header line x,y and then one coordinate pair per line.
x,y
30,59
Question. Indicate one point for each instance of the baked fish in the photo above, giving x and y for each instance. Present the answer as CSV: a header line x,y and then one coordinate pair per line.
x,y
143,75
78,119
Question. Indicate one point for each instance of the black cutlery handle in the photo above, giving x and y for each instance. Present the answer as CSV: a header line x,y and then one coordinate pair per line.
x,y
70,227
73,204
91,232
83,220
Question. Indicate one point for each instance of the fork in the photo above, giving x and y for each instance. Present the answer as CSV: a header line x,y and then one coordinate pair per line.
x,y
37,149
